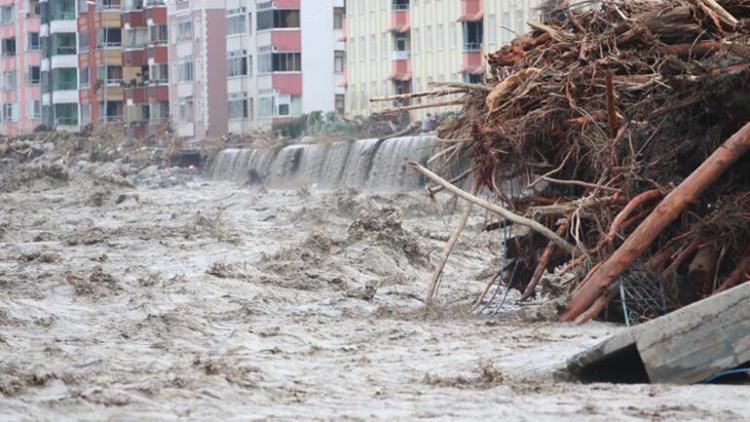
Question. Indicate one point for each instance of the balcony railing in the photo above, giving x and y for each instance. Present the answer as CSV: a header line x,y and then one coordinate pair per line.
x,y
472,46
399,7
401,55
66,121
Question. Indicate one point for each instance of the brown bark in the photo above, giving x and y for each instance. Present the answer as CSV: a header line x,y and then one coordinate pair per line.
x,y
737,276
636,202
543,262
663,215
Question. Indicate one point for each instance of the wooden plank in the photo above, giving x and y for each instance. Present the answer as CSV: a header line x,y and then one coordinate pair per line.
x,y
688,345
699,340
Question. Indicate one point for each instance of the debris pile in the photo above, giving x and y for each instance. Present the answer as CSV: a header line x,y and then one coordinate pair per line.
x,y
627,122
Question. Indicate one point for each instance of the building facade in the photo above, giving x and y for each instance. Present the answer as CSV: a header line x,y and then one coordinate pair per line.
x,y
145,62
202,68
20,75
400,46
244,65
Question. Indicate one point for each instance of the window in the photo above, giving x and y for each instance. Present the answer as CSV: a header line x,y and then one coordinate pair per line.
x,y
416,41
84,77
237,63
185,113
283,109
184,31
34,75
64,79
33,41
10,80
158,34
454,36
159,73
373,47
66,114
112,75
85,114
236,22
159,111
520,26
506,29
401,43
9,112
9,46
110,110
339,60
238,106
64,44
428,38
83,41
136,37
34,109
185,70
269,19
266,106
440,41
492,24
338,18
109,37
340,103
7,14
280,62
384,46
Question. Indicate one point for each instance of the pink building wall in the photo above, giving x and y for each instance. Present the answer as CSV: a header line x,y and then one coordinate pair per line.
x,y
24,92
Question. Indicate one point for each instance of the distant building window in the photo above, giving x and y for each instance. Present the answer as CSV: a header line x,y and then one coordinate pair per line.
x,y
275,18
185,70
7,14
34,110
236,22
184,31
238,106
10,80
34,75
10,113
158,34
84,77
338,17
266,106
9,47
339,61
185,113
237,64
340,103
33,41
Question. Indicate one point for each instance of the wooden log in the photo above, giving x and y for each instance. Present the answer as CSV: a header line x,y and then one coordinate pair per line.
x,y
508,215
663,215
614,125
636,202
739,275
438,93
421,106
543,262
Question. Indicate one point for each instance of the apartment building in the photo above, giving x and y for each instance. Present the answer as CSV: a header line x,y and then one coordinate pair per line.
x,y
278,60
20,75
400,46
145,59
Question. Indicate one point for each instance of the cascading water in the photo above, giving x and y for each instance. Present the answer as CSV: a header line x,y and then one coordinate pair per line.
x,y
368,163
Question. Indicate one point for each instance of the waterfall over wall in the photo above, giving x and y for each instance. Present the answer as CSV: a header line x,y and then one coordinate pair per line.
x,y
368,163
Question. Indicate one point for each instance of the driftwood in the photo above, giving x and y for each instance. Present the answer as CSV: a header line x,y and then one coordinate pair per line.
x,y
452,240
508,215
665,213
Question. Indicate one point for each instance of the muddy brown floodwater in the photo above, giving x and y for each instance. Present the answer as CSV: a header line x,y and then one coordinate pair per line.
x,y
163,296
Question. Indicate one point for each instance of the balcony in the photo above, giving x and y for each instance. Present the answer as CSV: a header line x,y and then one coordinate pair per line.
x,y
400,18
401,70
401,55
471,10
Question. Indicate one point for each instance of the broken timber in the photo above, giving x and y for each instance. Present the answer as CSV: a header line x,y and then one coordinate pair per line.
x,y
684,347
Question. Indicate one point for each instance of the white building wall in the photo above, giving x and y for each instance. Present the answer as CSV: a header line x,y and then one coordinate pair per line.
x,y
318,44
